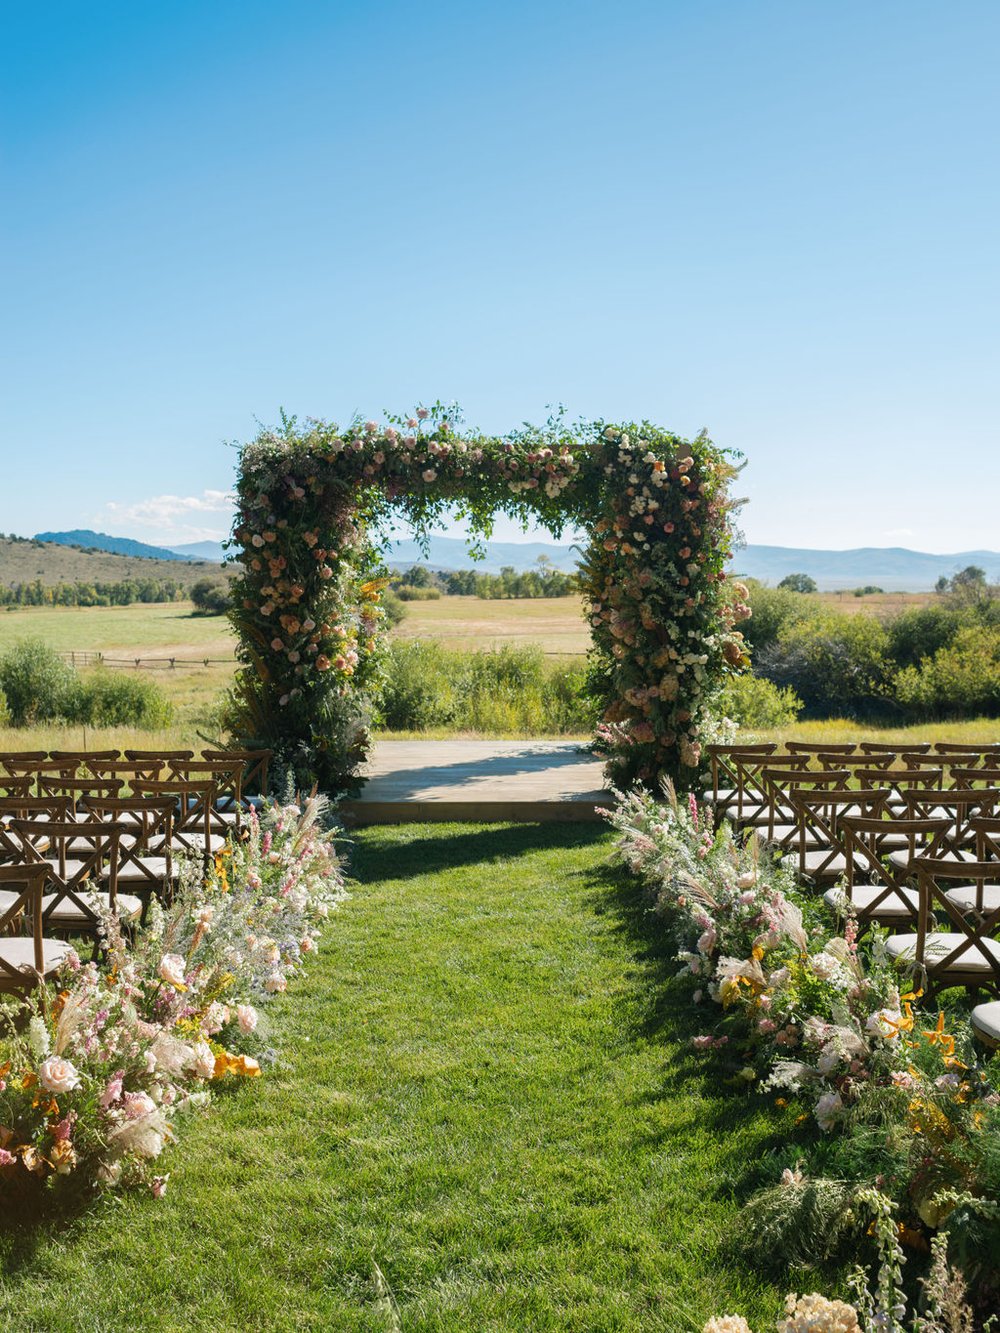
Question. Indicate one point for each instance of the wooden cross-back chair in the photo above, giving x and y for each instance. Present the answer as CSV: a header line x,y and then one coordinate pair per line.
x,y
85,758
975,777
129,771
724,778
965,954
18,757
145,862
984,750
164,756
73,790
255,785
821,811
42,809
37,769
820,747
226,809
875,890
25,960
884,747
192,826
856,763
16,786
78,857
898,781
752,806
782,829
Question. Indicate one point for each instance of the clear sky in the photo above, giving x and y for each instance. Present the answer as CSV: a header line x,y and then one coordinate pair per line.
x,y
778,221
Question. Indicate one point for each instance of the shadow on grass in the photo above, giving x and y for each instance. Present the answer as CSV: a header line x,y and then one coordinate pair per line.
x,y
401,853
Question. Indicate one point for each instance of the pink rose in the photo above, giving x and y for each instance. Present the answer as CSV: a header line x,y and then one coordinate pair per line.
x,y
246,1016
429,475
58,1075
171,969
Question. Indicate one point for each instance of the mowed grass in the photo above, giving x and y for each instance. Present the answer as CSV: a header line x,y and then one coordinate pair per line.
x,y
488,1118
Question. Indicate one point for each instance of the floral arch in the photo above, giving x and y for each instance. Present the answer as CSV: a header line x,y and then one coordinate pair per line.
x,y
313,498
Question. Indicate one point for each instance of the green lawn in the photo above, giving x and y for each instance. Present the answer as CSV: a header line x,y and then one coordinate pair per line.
x,y
488,1119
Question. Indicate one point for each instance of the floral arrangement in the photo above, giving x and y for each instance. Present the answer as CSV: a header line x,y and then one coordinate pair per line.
x,y
307,599
821,1021
97,1070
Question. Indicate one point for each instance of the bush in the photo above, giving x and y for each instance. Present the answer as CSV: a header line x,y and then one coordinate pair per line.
x,y
501,690
914,635
961,679
798,583
838,665
210,598
759,704
5,718
106,698
418,692
773,609
37,683
409,593
393,607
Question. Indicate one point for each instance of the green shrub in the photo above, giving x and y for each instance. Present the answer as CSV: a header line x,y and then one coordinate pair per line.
x,y
392,605
104,698
418,692
754,702
914,635
962,679
773,609
37,683
508,689
838,665
210,597
5,718
409,593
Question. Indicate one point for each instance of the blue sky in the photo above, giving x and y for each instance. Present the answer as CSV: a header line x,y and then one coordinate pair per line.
x,y
776,221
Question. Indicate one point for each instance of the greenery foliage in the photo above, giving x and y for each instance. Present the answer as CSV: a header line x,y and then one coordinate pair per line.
x,y
122,592
308,595
798,583
210,597
39,686
759,704
505,689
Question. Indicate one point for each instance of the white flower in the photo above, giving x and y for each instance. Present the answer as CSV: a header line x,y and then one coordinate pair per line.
x,y
144,1136
816,1314
38,1037
58,1075
171,969
203,1060
727,1323
246,1015
172,1056
827,1110
884,1023
275,983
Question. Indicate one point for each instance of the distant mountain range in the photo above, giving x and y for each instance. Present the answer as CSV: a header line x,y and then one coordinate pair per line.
x,y
892,568
101,541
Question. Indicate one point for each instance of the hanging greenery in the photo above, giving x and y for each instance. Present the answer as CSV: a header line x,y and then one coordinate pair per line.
x,y
313,505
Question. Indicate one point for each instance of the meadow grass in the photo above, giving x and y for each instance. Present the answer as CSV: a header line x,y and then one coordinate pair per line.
x,y
487,1117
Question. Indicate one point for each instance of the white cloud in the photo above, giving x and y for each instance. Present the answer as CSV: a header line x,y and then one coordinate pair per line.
x,y
172,519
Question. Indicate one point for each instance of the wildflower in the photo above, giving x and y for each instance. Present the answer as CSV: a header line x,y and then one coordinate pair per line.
x,y
158,1186
727,1323
816,1314
246,1016
171,970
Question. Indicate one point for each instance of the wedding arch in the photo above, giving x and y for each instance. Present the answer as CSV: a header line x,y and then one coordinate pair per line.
x,y
313,499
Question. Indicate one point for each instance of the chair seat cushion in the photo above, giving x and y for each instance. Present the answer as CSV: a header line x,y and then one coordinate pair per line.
x,y
901,860
824,865
130,872
896,904
191,840
19,953
967,897
986,1022
788,834
972,962
66,913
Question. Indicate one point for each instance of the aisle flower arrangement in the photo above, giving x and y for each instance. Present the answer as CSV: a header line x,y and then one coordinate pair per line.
x,y
886,1093
313,499
97,1071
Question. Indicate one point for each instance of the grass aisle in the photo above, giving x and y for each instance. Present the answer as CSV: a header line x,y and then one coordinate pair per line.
x,y
488,1120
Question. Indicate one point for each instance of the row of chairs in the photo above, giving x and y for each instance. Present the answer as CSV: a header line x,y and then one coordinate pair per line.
x,y
83,833
909,841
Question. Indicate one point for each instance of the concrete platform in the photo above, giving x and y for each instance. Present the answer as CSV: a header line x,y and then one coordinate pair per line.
x,y
482,781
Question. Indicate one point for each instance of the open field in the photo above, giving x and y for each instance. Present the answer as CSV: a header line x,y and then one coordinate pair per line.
x,y
556,625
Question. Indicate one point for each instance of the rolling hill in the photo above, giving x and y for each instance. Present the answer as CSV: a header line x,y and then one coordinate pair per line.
x,y
23,560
